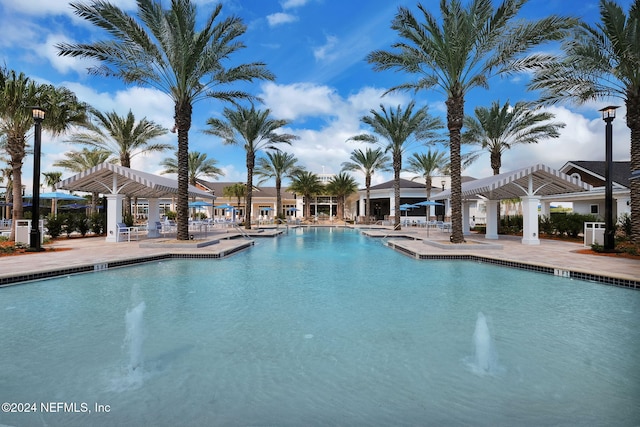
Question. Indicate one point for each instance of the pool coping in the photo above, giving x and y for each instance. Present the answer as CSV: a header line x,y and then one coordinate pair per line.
x,y
537,267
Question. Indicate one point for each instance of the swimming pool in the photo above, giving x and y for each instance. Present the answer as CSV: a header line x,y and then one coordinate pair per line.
x,y
322,326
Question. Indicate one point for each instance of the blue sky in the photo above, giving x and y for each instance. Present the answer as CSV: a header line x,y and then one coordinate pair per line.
x,y
316,49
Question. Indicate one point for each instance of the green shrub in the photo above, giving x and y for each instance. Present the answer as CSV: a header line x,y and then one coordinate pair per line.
x,y
82,225
68,224
54,225
545,225
624,224
97,222
171,215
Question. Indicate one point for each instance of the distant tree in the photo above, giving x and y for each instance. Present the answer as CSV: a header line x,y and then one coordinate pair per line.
x,y
341,186
50,180
236,190
367,162
399,128
308,185
277,165
256,131
163,49
426,165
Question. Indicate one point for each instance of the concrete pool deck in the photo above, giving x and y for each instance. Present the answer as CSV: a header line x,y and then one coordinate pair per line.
x,y
551,256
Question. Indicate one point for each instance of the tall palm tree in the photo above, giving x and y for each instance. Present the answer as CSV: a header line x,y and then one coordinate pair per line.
x,y
462,50
163,49
199,166
123,136
341,186
602,62
307,184
399,129
17,92
498,128
277,165
367,162
426,165
256,131
79,161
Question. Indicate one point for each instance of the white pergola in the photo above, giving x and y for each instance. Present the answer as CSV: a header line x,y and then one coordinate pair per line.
x,y
116,182
529,184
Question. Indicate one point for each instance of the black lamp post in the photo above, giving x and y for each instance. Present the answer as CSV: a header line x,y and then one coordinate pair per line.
x,y
608,114
34,236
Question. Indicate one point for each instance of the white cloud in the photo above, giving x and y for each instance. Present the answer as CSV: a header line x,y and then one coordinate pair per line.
x,y
280,18
289,4
327,51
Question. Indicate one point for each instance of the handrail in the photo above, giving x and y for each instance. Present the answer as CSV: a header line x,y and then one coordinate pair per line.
x,y
395,228
242,232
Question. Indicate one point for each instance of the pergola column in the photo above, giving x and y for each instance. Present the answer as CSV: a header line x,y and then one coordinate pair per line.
x,y
153,217
492,219
466,229
530,234
114,215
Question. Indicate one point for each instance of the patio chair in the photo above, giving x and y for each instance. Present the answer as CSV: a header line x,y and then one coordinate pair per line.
x,y
123,231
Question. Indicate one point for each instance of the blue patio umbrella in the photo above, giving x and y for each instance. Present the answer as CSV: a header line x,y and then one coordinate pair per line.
x,y
57,195
199,204
429,203
73,206
225,206
407,206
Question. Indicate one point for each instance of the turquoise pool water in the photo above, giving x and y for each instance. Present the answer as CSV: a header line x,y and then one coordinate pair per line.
x,y
320,327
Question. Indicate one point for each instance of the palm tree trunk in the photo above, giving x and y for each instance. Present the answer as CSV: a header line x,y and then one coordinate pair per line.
x,y
278,197
496,162
367,213
251,160
18,210
397,166
633,123
183,123
455,114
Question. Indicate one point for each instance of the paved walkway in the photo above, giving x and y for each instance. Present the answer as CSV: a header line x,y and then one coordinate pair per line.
x,y
96,253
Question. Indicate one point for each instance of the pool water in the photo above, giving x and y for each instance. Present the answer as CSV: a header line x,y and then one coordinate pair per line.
x,y
320,327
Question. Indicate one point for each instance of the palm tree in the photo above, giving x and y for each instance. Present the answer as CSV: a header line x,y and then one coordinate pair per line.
x,y
602,62
498,128
199,165
17,92
164,50
460,51
398,128
342,186
256,131
426,166
277,165
122,136
367,162
237,190
79,161
308,184
51,179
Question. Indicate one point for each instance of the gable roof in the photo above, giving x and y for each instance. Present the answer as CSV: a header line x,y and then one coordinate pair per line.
x,y
406,183
107,178
620,172
218,189
514,184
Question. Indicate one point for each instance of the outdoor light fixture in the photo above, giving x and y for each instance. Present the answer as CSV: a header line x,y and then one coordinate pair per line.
x,y
608,114
443,182
34,235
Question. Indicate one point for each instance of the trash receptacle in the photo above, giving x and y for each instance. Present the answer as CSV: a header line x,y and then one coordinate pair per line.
x,y
23,231
594,233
